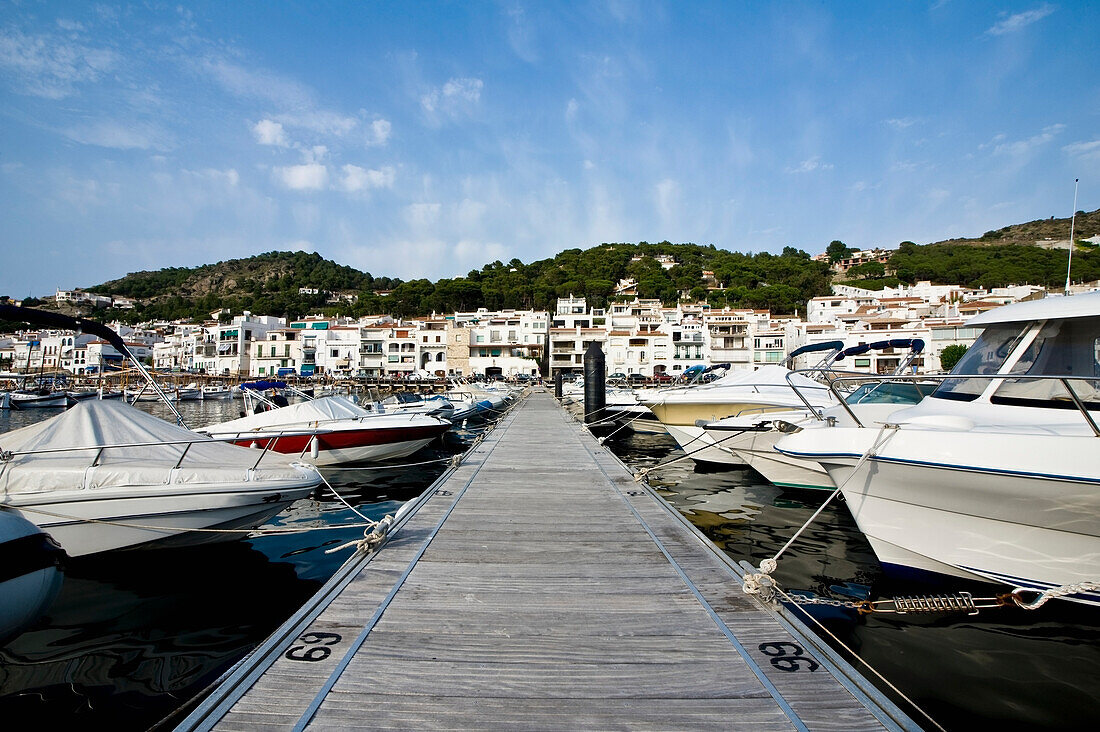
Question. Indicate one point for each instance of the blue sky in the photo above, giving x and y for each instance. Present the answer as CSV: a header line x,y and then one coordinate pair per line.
x,y
426,139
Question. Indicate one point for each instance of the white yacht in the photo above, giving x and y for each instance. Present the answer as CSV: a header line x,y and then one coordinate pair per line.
x,y
994,476
750,439
684,411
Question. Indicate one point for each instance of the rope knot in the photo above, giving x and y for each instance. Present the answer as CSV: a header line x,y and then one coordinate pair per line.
x,y
372,538
759,585
767,566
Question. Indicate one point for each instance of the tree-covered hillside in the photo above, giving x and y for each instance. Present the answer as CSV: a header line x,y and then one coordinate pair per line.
x,y
269,283
780,282
982,266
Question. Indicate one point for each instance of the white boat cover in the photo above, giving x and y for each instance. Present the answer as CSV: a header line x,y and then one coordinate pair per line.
x,y
325,409
90,425
765,376
316,413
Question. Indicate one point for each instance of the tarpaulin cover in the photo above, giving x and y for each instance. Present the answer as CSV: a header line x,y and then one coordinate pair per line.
x,y
325,412
93,424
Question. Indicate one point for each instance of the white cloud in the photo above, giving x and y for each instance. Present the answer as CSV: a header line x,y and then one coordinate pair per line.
x,y
1087,151
379,132
250,84
320,121
309,176
269,132
454,97
571,110
314,154
1019,21
810,165
228,177
520,35
473,253
469,214
667,194
357,179
901,123
120,135
421,216
51,66
1024,147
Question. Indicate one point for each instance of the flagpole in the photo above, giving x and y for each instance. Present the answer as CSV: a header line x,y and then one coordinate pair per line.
x,y
1072,220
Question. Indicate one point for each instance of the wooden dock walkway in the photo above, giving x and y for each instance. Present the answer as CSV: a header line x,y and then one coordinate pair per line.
x,y
537,586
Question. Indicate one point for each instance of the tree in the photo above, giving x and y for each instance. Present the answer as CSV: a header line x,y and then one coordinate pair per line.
x,y
837,250
950,356
866,271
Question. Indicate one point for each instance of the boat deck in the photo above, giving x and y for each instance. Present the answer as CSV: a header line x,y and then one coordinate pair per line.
x,y
537,585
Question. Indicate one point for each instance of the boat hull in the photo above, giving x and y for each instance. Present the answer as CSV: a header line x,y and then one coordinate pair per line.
x,y
978,509
701,447
166,515
350,445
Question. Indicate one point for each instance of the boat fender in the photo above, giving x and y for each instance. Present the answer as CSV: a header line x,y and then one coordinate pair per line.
x,y
314,448
255,444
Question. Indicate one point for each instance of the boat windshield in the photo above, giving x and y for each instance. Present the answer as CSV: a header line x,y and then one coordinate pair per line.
x,y
1066,347
986,356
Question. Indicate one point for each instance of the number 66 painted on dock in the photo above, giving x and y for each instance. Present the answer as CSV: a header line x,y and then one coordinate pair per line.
x,y
316,647
789,662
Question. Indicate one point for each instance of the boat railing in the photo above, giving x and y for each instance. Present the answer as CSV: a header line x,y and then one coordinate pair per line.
x,y
1078,403
271,438
826,379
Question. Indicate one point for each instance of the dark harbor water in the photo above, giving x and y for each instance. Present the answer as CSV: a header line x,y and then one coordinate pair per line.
x,y
133,636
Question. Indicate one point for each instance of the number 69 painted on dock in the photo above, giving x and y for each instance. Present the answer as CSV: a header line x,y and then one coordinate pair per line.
x,y
315,648
789,662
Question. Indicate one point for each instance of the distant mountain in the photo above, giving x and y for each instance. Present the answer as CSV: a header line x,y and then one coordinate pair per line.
x,y
270,272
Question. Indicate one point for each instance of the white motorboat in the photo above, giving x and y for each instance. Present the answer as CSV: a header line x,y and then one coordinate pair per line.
x,y
749,440
330,431
106,476
39,399
995,475
215,392
685,410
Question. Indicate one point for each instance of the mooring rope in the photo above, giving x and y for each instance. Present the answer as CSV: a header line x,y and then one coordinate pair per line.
x,y
644,473
272,531
762,584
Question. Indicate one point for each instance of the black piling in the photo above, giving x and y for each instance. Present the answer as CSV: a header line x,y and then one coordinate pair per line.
x,y
557,386
594,374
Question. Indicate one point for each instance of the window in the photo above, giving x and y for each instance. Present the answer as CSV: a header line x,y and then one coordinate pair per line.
x,y
986,356
1067,347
